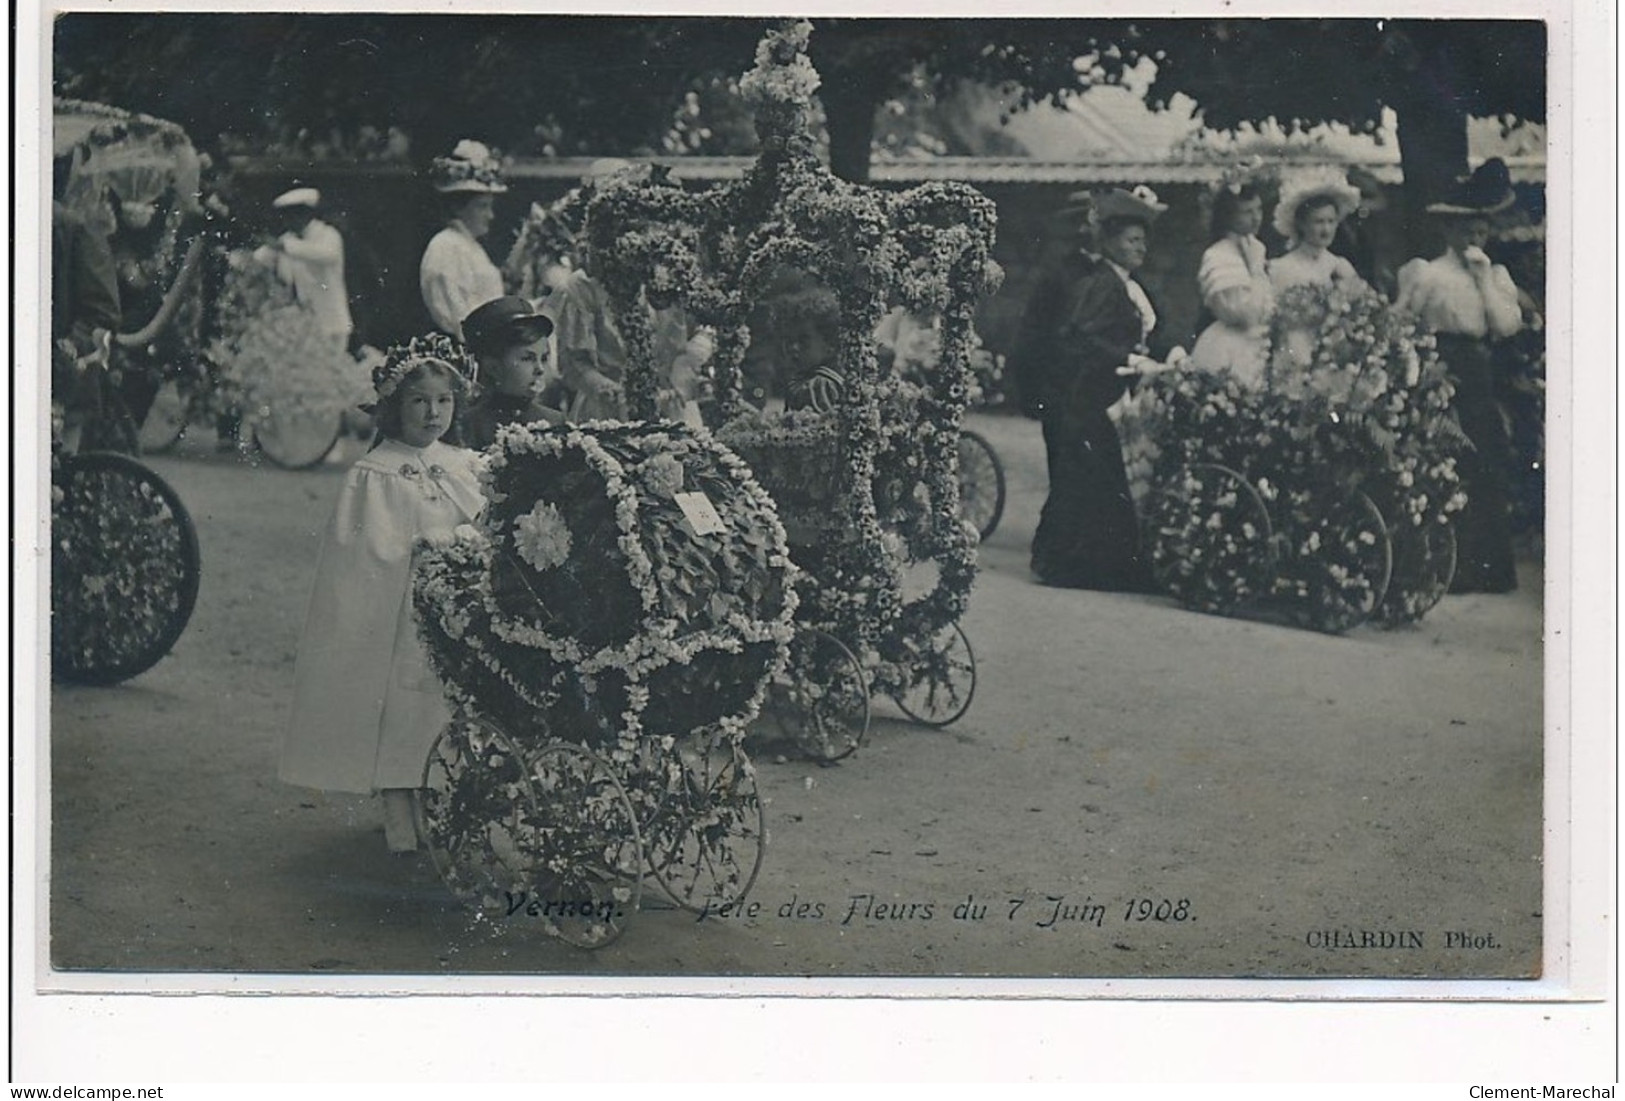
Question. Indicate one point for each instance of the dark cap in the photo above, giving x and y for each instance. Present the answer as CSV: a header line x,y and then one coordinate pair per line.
x,y
504,322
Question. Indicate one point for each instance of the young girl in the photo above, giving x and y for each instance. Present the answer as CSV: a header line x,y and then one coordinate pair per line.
x,y
366,706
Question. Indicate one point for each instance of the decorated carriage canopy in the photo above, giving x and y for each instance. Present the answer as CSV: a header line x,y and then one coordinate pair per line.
x,y
714,252
121,157
616,565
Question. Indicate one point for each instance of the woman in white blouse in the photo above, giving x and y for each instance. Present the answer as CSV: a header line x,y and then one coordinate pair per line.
x,y
456,274
1468,302
1236,290
1313,204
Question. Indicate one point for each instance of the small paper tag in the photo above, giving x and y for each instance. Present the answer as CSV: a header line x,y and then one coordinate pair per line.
x,y
691,414
700,513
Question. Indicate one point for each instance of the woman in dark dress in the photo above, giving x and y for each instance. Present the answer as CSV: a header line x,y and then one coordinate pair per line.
x,y
1470,304
1083,338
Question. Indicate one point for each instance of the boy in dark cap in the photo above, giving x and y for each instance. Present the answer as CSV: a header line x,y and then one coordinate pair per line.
x,y
507,338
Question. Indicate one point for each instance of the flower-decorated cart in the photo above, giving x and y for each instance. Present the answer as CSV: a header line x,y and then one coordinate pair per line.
x,y
125,562
199,324
606,633
1329,492
865,475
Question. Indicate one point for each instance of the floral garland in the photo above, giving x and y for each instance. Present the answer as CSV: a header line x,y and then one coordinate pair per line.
x,y
928,249
1357,401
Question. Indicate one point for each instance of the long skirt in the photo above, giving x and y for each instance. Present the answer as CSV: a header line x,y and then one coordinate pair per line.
x,y
1483,529
1088,533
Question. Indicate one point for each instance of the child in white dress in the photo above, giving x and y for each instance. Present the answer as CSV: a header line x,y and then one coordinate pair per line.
x,y
367,708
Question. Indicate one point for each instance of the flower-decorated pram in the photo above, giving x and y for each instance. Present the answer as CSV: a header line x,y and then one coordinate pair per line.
x,y
867,483
605,632
1329,492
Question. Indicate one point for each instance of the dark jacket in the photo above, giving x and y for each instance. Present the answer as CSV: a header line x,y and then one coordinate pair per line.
x,y
1078,328
480,418
84,282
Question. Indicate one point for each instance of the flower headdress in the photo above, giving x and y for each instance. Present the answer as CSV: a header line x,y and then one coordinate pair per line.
x,y
402,359
471,167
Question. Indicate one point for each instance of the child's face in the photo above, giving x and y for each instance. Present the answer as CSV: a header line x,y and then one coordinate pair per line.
x,y
514,370
427,405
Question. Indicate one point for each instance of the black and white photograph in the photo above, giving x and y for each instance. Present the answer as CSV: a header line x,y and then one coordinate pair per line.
x,y
937,504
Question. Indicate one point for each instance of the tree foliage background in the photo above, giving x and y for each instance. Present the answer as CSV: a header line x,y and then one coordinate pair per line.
x,y
410,85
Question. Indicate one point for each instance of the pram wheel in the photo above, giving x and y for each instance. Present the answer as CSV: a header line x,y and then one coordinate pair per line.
x,y
942,680
471,813
584,851
1209,535
822,698
1424,566
1344,559
706,839
981,483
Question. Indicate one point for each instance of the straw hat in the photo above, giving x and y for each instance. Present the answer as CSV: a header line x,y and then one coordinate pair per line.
x,y
1140,204
472,167
1321,182
299,196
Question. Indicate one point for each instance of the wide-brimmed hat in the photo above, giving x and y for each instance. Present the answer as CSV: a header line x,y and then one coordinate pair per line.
x,y
299,196
1140,204
1487,191
472,167
1324,182
505,322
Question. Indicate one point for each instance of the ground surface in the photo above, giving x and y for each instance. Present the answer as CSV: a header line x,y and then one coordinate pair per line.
x,y
1283,790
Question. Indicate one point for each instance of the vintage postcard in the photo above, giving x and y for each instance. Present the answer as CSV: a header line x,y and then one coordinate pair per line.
x,y
1063,506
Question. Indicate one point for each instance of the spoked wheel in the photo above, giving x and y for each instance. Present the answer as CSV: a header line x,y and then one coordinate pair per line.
x,y
1209,535
706,839
165,422
939,678
1424,566
822,698
298,439
1342,561
981,483
124,568
472,810
583,847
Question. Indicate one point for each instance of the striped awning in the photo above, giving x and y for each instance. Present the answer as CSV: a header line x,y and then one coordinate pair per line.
x,y
916,170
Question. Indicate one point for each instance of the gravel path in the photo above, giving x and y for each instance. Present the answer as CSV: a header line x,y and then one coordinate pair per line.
x,y
1284,803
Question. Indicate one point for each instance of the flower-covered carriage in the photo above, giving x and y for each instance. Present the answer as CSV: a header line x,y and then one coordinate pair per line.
x,y
125,563
1329,492
606,632
865,480
200,323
